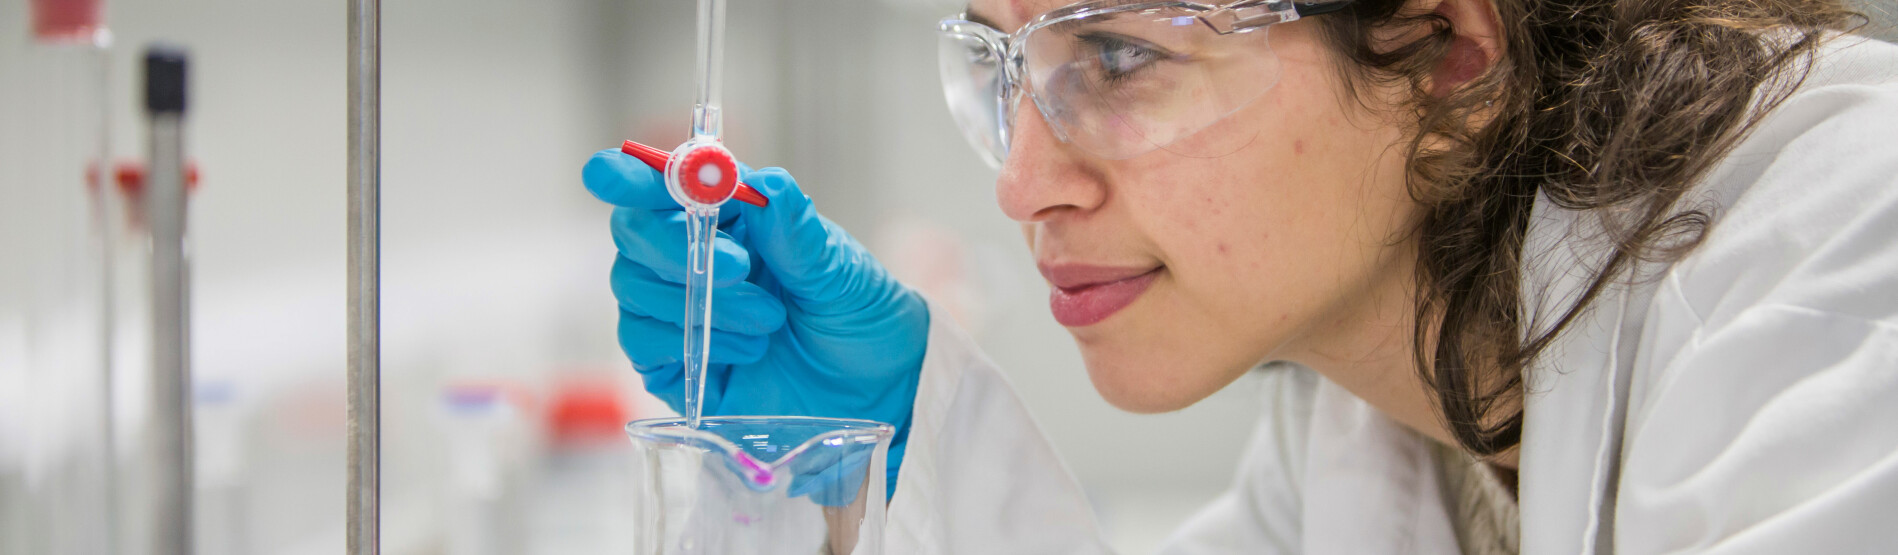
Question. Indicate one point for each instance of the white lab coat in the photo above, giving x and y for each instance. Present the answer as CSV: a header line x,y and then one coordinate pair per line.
x,y
1742,400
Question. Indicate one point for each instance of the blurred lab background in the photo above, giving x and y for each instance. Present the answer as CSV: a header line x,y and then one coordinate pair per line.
x,y
504,390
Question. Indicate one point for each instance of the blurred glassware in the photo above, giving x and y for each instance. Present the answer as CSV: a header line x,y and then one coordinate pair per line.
x,y
57,484
583,495
484,431
219,426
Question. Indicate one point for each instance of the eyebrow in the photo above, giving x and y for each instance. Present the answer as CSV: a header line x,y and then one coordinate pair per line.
x,y
969,14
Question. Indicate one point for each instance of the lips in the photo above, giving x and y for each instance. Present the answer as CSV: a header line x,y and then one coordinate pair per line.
x,y
1084,295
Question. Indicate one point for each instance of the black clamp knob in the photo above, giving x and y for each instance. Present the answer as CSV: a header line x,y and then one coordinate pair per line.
x,y
165,79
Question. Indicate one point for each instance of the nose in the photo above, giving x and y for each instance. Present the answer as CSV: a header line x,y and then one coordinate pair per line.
x,y
1044,177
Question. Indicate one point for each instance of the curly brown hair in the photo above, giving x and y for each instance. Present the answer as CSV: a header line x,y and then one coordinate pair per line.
x,y
1614,106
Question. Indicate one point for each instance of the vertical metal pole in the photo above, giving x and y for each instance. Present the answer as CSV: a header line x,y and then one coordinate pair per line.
x,y
171,318
365,358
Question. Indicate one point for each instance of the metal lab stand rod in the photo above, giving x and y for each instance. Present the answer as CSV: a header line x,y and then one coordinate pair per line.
x,y
365,359
171,319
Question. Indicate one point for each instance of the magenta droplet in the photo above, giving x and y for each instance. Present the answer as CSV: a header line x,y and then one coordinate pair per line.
x,y
756,471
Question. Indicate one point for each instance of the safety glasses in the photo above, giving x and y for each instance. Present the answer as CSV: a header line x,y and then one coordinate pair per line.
x,y
1117,78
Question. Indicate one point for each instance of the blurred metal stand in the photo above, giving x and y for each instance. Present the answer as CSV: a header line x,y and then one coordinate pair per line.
x,y
171,318
365,359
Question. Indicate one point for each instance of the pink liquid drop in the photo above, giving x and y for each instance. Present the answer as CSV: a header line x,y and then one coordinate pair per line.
x,y
755,470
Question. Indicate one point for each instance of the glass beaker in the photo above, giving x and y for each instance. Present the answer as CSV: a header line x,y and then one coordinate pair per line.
x,y
760,484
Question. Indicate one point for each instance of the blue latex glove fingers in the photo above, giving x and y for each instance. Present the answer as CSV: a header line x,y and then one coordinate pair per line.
x,y
621,180
650,342
654,348
803,249
841,308
838,299
656,239
668,384
742,308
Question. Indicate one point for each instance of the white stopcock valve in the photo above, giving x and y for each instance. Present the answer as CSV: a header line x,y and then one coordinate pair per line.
x,y
700,172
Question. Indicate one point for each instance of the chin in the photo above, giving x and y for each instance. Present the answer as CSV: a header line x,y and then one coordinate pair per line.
x,y
1140,364
1140,386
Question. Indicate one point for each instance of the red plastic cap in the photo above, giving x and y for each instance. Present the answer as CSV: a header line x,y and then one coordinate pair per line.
x,y
708,175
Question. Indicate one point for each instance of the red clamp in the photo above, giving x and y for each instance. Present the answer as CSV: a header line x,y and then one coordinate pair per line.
x,y
701,173
130,177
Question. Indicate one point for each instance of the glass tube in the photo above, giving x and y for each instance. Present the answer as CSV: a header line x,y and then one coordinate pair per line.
x,y
702,226
706,120
701,230
57,483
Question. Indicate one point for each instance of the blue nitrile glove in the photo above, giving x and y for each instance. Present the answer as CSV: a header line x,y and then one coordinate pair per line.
x,y
804,321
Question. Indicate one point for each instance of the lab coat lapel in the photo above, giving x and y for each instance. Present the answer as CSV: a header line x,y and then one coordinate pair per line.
x,y
1576,402
1371,483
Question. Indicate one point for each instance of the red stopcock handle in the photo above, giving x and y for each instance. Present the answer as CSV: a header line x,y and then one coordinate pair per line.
x,y
657,160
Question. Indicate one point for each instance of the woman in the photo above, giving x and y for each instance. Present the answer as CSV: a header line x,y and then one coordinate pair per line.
x,y
1622,270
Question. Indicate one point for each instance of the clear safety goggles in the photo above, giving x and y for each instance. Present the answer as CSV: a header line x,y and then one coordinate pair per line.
x,y
1117,78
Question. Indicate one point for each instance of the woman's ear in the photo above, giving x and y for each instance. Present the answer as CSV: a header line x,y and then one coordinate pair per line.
x,y
1476,45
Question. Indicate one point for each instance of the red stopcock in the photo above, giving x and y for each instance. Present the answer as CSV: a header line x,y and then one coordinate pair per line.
x,y
706,175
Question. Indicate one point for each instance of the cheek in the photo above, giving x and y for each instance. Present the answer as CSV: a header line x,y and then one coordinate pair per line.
x,y
1257,242
1222,219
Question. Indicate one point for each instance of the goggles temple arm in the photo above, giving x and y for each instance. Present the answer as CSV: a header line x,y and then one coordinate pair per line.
x,y
1306,9
1245,16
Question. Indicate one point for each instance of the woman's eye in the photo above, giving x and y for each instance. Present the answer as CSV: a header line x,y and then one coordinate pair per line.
x,y
1120,58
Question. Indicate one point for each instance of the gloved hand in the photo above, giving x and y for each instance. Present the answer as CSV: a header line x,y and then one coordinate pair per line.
x,y
804,321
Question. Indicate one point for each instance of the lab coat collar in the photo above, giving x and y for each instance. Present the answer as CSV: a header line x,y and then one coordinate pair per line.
x,y
1372,484
1577,391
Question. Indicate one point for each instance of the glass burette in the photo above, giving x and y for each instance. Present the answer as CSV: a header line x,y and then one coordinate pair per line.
x,y
702,217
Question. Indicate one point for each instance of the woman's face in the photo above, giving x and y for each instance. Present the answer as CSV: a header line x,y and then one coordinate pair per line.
x,y
1178,270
